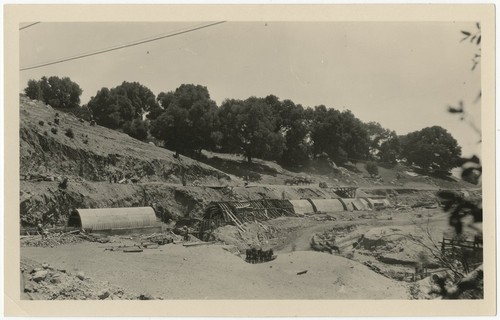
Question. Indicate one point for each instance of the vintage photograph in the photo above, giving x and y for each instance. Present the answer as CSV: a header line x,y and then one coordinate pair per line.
x,y
250,160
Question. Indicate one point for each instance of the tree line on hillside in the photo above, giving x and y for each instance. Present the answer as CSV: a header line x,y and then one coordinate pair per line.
x,y
188,121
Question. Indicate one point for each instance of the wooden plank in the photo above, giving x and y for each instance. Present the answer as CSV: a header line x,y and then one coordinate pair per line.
x,y
192,244
132,250
232,216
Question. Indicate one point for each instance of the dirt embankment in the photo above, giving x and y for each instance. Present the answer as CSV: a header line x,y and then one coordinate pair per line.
x,y
95,153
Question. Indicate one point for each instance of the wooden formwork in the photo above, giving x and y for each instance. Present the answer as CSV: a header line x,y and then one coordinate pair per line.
x,y
238,212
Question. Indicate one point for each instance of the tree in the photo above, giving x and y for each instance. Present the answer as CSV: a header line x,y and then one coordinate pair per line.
x,y
293,123
390,149
33,90
372,168
339,134
110,110
248,128
137,129
186,119
355,140
384,143
432,149
123,108
141,98
55,91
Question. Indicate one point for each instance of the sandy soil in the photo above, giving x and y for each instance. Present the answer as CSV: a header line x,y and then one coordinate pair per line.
x,y
210,272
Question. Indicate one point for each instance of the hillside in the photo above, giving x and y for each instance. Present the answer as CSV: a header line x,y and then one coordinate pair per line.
x,y
106,168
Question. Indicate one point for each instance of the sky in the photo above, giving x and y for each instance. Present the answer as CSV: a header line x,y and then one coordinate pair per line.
x,y
400,74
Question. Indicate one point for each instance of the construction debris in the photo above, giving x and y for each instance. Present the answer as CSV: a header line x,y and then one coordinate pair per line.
x,y
60,238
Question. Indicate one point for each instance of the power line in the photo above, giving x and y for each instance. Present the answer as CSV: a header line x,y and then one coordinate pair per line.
x,y
29,25
132,44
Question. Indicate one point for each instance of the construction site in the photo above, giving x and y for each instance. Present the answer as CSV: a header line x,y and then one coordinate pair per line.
x,y
105,216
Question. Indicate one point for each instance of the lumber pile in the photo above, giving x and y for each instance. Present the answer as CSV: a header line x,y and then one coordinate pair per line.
x,y
60,238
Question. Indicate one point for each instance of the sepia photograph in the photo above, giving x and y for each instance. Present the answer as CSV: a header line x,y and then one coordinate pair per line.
x,y
254,159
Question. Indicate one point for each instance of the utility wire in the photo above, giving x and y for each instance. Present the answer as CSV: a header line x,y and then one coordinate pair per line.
x,y
132,44
29,25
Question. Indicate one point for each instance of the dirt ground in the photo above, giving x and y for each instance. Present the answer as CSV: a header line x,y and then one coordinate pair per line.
x,y
210,272
218,271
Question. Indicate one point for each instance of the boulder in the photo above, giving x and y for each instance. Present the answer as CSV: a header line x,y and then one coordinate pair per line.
x,y
146,296
39,275
28,287
35,270
103,294
80,275
56,278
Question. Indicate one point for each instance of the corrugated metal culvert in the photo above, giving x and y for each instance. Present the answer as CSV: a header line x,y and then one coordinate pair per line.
x,y
328,205
113,218
302,207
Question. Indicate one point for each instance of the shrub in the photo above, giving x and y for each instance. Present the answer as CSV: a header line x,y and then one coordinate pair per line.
x,y
53,130
64,183
45,133
56,120
372,168
69,133
41,122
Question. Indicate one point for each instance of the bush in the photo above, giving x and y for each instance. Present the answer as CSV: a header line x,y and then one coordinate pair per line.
x,y
69,133
41,122
372,168
45,133
53,130
64,183
56,120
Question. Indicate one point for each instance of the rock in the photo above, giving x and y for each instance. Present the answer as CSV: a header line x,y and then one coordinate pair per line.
x,y
28,287
39,275
35,270
145,296
103,294
45,265
80,275
55,279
